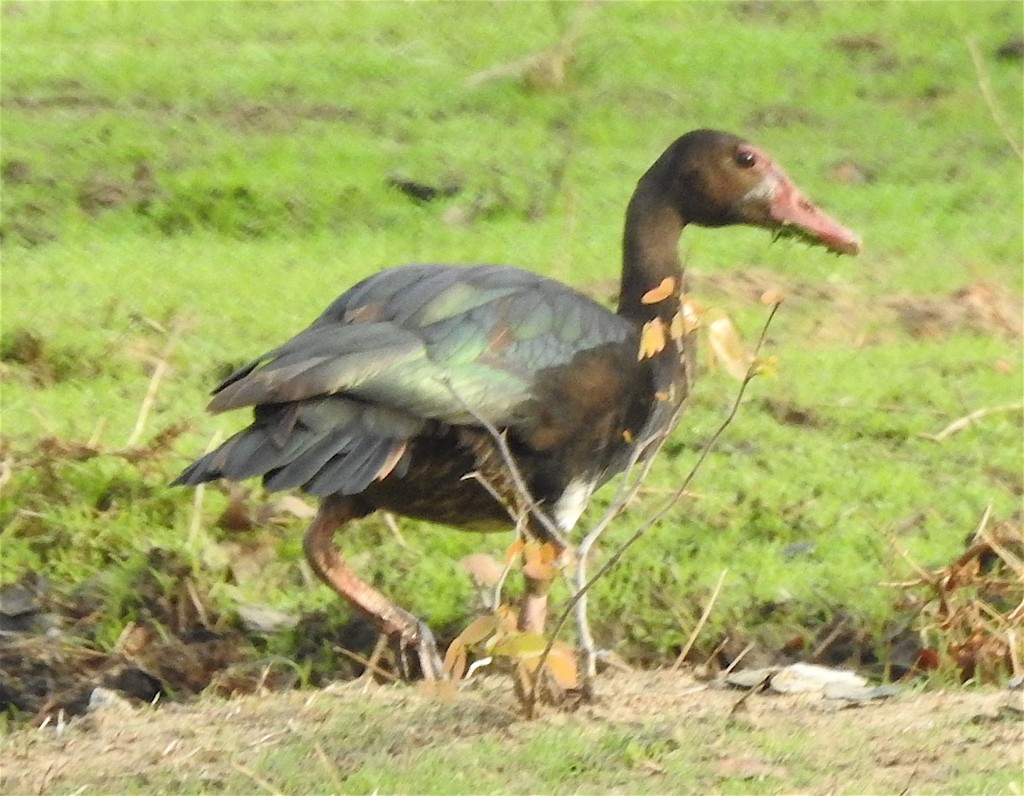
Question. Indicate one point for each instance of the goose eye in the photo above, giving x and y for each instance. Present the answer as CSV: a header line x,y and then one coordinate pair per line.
x,y
745,159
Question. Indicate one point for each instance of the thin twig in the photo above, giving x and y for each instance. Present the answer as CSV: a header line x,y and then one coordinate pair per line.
x,y
756,688
376,655
368,663
392,525
986,92
738,658
628,487
700,623
658,515
554,534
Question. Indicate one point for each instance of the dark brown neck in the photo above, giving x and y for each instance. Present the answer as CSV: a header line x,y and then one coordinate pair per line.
x,y
650,255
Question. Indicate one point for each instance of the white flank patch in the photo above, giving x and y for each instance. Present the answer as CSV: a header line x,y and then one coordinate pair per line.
x,y
570,505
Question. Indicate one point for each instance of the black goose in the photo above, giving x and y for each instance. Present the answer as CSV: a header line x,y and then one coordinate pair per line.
x,y
391,398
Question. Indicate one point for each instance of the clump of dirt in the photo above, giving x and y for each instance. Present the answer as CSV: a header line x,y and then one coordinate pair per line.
x,y
101,191
982,307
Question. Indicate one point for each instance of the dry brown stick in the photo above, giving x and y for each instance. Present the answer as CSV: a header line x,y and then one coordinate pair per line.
x,y
367,662
986,93
756,688
736,661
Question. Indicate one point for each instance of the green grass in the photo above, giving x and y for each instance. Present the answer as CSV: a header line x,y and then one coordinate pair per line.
x,y
269,133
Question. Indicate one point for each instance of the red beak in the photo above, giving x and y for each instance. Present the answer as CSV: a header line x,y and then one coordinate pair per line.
x,y
789,208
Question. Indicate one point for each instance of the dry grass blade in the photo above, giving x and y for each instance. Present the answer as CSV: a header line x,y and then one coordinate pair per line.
x,y
545,69
331,768
986,92
195,523
700,622
162,364
963,422
248,772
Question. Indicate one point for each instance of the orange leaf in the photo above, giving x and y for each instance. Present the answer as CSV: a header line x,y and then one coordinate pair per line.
x,y
455,660
508,618
539,570
540,557
484,569
514,549
539,552
479,629
652,339
661,292
562,665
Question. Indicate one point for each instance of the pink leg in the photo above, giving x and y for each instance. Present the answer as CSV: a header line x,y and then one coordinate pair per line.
x,y
326,560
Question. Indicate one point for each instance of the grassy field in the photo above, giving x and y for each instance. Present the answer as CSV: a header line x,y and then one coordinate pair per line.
x,y
187,184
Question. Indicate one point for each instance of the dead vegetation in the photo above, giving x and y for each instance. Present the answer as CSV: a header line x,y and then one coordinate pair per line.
x,y
970,613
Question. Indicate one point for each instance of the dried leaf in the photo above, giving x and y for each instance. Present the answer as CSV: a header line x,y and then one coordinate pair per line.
x,y
441,690
484,569
540,558
561,663
661,292
692,312
652,338
677,330
508,619
538,570
479,629
236,517
726,346
455,660
292,505
514,550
